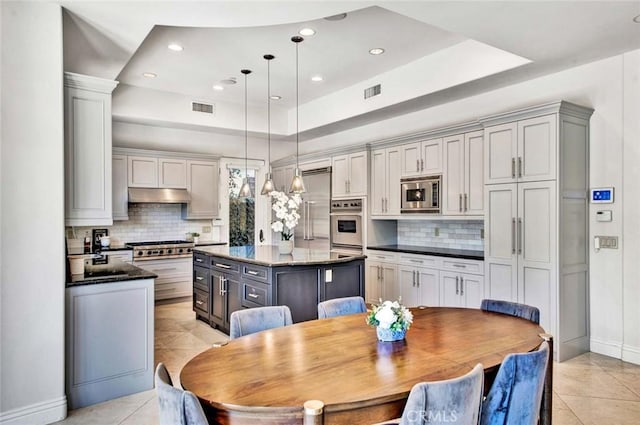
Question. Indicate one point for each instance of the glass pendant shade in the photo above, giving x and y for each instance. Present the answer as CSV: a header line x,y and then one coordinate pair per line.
x,y
268,185
297,185
245,189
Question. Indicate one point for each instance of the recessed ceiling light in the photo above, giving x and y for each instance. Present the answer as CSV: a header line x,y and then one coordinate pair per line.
x,y
637,19
376,51
307,31
275,97
338,17
175,47
317,78
218,87
149,75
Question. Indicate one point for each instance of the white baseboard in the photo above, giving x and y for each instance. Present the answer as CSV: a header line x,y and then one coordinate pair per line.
x,y
45,412
631,354
607,348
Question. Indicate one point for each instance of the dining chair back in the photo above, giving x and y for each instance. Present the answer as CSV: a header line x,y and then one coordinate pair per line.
x,y
176,406
516,393
512,309
341,307
252,320
455,400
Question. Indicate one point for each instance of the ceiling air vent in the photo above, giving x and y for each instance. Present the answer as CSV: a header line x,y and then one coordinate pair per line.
x,y
207,108
372,91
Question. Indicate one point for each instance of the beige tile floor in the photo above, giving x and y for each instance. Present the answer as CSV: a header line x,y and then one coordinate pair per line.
x,y
590,389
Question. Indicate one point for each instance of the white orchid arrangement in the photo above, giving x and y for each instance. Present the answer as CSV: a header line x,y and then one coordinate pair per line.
x,y
286,210
390,315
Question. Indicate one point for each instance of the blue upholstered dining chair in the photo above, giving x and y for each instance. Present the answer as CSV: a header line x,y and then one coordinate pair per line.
x,y
177,407
454,400
341,307
516,393
512,309
252,320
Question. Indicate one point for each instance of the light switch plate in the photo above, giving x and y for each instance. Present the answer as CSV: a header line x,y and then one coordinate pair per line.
x,y
328,276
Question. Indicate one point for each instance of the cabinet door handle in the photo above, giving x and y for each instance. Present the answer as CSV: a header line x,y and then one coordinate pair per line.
x,y
460,266
461,285
413,260
199,278
513,167
346,189
198,260
465,202
378,272
460,203
417,165
199,302
254,295
220,285
414,278
417,278
457,287
513,235
519,236
386,205
422,165
252,273
519,166
222,266
223,286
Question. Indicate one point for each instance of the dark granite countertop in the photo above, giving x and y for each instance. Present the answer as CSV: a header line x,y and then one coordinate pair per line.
x,y
114,271
427,250
268,255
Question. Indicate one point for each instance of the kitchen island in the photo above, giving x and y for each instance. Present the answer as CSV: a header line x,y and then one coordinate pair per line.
x,y
226,279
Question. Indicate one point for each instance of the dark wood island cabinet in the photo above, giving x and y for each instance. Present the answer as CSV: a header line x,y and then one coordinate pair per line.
x,y
227,279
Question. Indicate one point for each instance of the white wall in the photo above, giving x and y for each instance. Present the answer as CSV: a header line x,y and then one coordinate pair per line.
x,y
32,222
614,157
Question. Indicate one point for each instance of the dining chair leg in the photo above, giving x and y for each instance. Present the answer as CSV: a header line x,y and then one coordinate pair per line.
x,y
546,407
313,412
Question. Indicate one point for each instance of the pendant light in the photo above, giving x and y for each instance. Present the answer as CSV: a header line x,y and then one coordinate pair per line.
x,y
268,185
297,185
245,190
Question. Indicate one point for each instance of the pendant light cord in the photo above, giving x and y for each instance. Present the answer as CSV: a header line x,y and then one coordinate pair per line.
x,y
269,115
246,169
297,107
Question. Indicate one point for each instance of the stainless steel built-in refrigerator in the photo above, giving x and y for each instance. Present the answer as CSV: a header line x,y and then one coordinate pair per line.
x,y
312,230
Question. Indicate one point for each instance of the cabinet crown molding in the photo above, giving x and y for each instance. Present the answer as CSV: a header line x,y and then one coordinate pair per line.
x,y
87,82
164,154
561,106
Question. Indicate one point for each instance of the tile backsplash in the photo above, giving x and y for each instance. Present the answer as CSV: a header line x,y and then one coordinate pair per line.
x,y
465,234
152,222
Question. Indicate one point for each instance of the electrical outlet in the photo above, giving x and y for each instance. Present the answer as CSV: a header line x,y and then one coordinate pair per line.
x,y
437,231
206,229
328,276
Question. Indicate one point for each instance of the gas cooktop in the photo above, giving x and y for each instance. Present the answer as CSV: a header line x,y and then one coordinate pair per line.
x,y
161,249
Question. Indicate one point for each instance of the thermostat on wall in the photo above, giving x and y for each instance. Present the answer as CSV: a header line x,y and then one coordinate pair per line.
x,y
602,195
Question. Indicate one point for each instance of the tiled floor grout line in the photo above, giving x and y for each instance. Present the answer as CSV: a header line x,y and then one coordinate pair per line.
x,y
137,410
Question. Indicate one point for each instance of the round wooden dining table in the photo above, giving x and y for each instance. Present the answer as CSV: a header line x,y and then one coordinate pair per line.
x,y
266,377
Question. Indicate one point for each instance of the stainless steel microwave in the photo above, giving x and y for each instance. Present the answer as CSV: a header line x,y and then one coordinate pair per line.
x,y
421,195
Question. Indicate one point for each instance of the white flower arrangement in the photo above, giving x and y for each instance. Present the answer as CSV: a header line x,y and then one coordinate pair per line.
x,y
286,211
390,315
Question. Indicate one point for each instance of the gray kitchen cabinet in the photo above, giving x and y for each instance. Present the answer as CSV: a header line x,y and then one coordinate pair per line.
x,y
536,189
109,341
87,143
236,284
202,184
120,196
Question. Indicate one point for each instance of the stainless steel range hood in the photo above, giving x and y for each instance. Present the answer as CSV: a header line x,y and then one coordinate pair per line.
x,y
158,196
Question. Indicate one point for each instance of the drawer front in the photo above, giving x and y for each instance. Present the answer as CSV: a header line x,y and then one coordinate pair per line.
x,y
464,266
386,256
168,267
125,255
201,302
201,278
254,294
224,265
255,272
166,290
420,260
201,260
